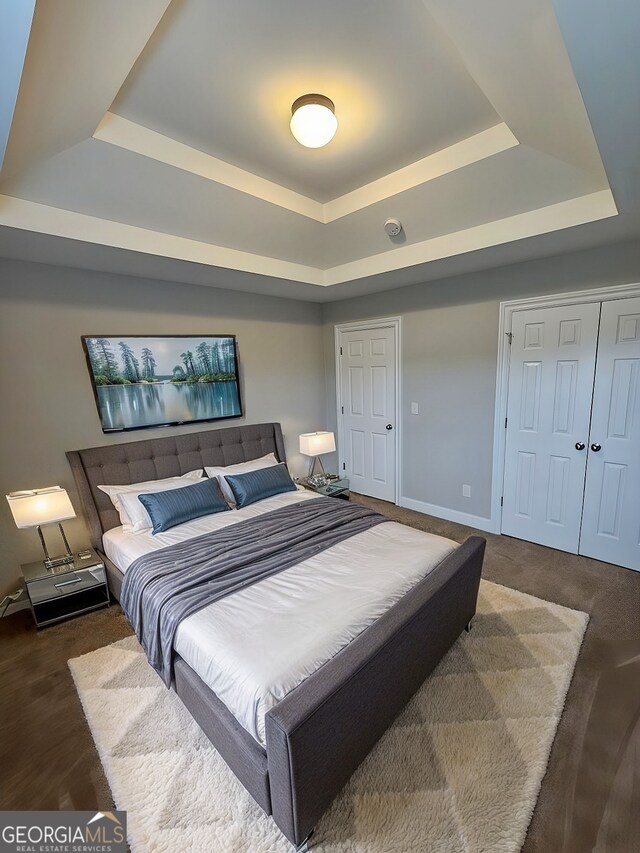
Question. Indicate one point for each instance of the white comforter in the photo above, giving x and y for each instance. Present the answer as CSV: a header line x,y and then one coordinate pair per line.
x,y
255,646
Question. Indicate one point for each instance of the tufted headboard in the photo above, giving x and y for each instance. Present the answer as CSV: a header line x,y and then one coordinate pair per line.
x,y
156,458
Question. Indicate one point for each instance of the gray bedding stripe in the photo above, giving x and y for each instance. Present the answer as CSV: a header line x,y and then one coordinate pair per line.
x,y
163,588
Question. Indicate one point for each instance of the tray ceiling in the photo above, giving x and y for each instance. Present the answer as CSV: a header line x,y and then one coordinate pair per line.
x,y
221,78
160,129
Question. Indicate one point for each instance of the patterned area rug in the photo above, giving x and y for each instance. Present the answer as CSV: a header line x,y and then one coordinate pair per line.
x,y
458,772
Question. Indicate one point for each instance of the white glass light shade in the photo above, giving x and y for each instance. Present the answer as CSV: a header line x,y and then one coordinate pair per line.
x,y
40,506
316,443
313,120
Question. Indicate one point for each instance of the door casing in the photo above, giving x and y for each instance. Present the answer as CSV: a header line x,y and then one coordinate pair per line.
x,y
362,325
507,309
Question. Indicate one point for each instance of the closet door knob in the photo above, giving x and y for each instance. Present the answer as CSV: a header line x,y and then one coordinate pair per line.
x,y
579,445
596,447
389,426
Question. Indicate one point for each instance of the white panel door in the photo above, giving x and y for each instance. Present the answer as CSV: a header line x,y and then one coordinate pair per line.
x,y
611,519
368,389
551,371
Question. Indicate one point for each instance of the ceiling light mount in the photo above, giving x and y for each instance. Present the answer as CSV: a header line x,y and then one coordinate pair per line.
x,y
321,100
313,120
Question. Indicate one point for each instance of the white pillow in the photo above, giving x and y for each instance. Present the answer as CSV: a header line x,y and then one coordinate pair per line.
x,y
133,515
267,461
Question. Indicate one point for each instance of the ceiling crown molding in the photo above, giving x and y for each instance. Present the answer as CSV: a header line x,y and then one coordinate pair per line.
x,y
116,130
27,215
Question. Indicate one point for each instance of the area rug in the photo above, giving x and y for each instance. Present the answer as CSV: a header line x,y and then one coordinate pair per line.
x,y
458,772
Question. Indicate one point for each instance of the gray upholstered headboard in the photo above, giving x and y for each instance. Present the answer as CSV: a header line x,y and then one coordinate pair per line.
x,y
156,458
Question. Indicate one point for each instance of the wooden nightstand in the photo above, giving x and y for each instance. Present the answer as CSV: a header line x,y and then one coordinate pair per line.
x,y
334,488
66,591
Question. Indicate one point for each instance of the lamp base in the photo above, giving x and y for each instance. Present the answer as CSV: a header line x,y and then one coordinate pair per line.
x,y
312,477
53,562
59,561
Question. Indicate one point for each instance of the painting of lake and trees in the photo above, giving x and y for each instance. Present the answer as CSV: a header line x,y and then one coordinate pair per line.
x,y
143,382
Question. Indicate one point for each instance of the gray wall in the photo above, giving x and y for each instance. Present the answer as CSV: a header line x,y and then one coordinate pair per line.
x,y
449,358
287,364
47,404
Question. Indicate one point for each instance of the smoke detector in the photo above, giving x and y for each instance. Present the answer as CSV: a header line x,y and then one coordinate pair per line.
x,y
393,227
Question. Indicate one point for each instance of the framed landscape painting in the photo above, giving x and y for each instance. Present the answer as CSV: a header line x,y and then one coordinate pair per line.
x,y
141,382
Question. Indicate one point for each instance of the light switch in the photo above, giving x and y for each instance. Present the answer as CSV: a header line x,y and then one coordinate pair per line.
x,y
415,410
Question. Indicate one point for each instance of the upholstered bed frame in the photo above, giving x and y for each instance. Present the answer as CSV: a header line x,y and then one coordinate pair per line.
x,y
320,732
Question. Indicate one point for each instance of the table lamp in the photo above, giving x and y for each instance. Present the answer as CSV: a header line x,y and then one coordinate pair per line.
x,y
314,444
43,506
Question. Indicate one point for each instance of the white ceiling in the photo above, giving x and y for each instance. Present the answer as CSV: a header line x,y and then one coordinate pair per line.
x,y
221,77
154,137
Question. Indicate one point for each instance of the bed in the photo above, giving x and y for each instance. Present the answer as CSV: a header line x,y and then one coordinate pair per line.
x,y
293,743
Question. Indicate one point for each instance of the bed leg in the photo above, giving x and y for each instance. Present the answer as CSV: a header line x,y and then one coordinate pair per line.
x,y
468,626
304,846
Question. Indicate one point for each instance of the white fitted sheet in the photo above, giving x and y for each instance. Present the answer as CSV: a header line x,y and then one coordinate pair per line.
x,y
255,646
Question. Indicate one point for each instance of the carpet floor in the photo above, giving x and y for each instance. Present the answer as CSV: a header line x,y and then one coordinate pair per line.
x,y
458,772
590,794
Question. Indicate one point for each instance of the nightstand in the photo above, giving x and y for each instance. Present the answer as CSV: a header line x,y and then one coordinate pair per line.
x,y
334,488
66,591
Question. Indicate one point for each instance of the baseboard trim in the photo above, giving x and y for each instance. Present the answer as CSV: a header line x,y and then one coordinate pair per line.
x,y
476,521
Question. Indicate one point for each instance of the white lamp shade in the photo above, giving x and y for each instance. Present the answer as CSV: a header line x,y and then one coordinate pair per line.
x,y
40,506
317,443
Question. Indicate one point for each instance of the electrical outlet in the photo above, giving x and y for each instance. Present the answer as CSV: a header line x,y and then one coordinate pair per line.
x,y
415,409
14,601
466,490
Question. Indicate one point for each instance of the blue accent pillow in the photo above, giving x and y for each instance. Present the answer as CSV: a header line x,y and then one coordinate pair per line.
x,y
177,506
258,485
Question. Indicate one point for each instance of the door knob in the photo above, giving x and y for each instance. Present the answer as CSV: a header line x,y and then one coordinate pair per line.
x,y
579,445
389,426
596,447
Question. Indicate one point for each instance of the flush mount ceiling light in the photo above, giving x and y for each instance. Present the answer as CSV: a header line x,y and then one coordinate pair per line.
x,y
313,120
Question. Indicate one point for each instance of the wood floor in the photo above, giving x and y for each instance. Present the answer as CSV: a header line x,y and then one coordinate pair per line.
x,y
590,796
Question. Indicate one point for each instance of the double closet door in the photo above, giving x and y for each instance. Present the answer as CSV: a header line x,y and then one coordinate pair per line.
x,y
572,461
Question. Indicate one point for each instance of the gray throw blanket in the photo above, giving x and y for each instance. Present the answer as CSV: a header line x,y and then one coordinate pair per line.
x,y
163,588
